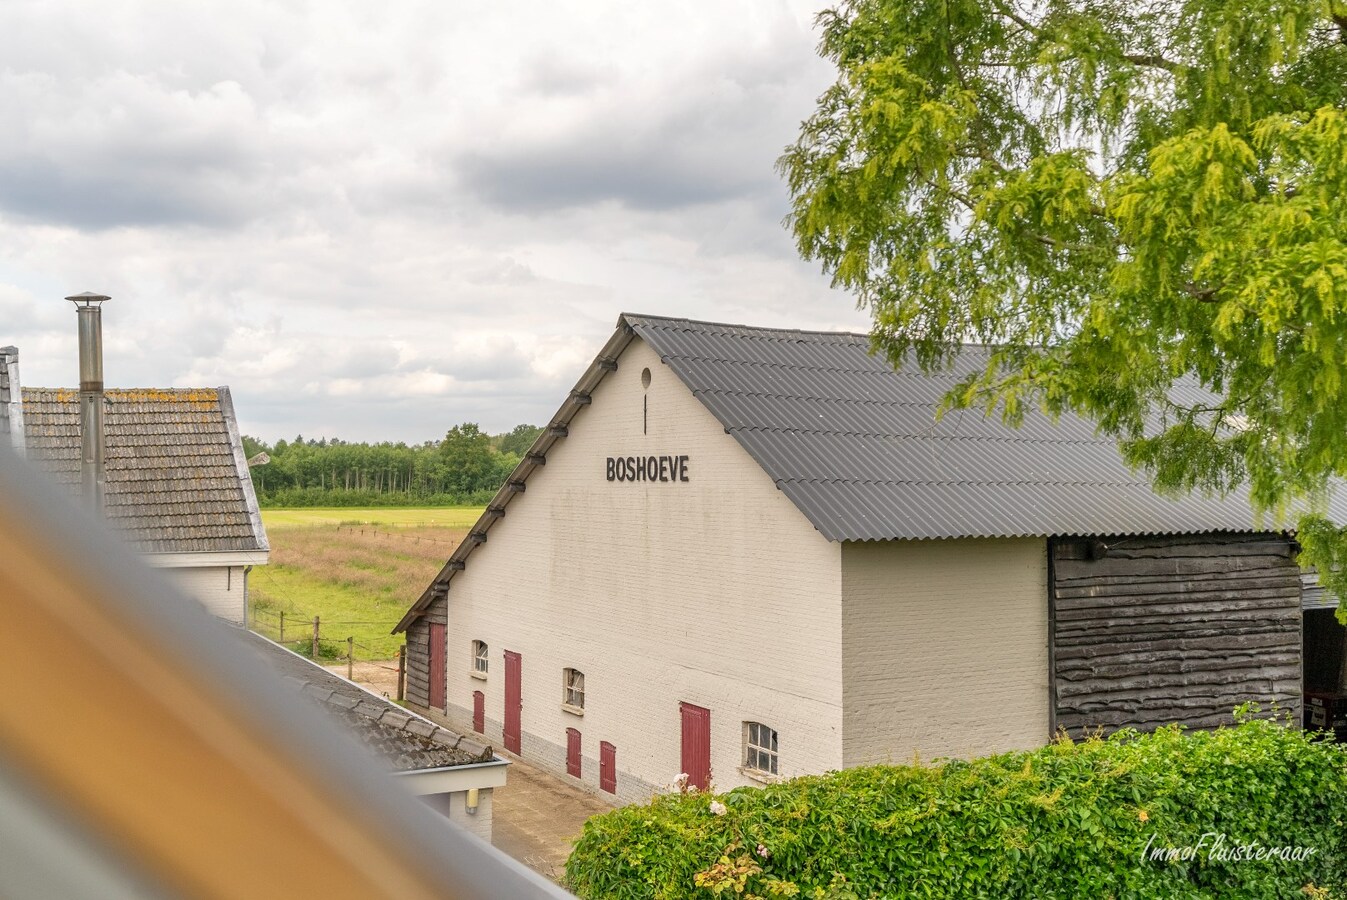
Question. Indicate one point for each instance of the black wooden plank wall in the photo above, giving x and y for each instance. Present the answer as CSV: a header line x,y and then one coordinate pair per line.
x,y
1154,630
418,652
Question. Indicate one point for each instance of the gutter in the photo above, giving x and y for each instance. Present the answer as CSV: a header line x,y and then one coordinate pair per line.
x,y
534,459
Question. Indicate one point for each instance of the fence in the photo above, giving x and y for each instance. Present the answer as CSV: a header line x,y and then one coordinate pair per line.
x,y
410,538
306,634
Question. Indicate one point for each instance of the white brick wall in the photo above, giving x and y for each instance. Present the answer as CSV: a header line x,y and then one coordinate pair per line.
x,y
219,588
945,645
716,591
455,807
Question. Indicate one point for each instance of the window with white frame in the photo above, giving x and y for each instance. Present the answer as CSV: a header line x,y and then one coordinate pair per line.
x,y
573,694
479,663
760,751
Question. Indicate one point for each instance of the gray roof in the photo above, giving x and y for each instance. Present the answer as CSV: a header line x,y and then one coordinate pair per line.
x,y
177,480
408,742
857,448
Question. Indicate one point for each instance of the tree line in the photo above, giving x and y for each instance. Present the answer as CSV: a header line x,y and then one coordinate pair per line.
x,y
466,467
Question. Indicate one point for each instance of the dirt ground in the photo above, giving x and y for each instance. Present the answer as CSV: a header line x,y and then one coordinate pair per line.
x,y
380,676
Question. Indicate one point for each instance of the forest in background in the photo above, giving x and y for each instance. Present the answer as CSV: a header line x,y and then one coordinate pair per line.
x,y
466,467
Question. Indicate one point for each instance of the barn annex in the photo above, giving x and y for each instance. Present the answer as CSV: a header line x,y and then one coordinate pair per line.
x,y
747,553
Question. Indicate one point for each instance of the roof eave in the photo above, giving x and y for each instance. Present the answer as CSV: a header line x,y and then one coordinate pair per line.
x,y
534,459
241,466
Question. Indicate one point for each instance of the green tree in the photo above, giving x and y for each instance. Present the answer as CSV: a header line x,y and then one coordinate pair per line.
x,y
1125,198
469,463
518,440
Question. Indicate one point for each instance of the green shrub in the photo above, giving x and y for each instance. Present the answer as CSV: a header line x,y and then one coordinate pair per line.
x,y
1065,821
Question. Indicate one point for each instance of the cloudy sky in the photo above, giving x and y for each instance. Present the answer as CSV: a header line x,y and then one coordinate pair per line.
x,y
375,220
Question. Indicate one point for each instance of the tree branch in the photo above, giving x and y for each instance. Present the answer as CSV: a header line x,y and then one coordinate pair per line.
x,y
1152,61
1200,294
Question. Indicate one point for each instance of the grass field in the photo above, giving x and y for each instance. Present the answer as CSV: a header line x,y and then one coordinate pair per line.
x,y
445,517
356,569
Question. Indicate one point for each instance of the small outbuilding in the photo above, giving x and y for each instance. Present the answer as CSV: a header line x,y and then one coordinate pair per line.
x,y
177,484
452,774
740,554
164,466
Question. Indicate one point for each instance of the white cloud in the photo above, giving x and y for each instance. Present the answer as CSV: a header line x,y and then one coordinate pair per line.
x,y
377,221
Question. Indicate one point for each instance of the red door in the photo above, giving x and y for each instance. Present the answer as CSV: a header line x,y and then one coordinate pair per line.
x,y
696,745
607,767
513,701
437,640
572,752
478,712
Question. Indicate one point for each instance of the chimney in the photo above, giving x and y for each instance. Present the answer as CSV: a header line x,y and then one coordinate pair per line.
x,y
92,477
11,400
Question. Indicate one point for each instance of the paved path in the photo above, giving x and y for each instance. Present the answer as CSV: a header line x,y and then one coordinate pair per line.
x,y
537,816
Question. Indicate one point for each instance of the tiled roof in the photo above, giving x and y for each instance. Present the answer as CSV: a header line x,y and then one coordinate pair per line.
x,y
408,742
177,480
857,448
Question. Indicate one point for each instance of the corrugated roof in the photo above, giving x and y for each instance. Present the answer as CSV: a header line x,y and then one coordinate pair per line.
x,y
857,447
176,477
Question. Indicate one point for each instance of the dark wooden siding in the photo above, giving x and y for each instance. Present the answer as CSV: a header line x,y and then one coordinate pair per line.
x,y
1153,630
418,652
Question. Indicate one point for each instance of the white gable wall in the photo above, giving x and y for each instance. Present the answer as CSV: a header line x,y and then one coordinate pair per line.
x,y
717,592
945,645
221,589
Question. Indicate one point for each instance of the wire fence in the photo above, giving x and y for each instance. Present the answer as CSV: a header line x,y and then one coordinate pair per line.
x,y
409,538
304,635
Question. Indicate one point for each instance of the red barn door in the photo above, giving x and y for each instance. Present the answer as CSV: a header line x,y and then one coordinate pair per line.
x,y
513,700
607,767
478,712
696,745
572,753
437,648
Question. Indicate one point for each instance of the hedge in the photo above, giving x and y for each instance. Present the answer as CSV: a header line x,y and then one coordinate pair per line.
x,y
1164,815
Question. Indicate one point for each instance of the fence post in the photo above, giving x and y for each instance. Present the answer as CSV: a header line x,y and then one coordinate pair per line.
x,y
282,640
350,656
315,638
402,671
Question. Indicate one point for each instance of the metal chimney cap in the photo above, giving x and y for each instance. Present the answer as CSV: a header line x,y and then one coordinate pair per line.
x,y
88,298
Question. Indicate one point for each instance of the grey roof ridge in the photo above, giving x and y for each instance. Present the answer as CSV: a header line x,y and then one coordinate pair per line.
x,y
950,481
433,731
241,466
761,332
907,436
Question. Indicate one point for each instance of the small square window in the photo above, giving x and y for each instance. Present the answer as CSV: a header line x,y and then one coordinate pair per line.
x,y
479,663
573,693
760,748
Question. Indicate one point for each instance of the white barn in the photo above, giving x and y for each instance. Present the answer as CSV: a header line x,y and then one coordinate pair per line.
x,y
744,554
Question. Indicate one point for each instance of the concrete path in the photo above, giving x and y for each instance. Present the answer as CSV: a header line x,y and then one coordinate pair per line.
x,y
537,816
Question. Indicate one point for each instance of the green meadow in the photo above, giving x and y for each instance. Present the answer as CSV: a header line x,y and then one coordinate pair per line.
x,y
357,570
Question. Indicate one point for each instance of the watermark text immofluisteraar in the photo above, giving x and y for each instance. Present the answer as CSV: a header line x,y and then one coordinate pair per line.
x,y
1217,846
